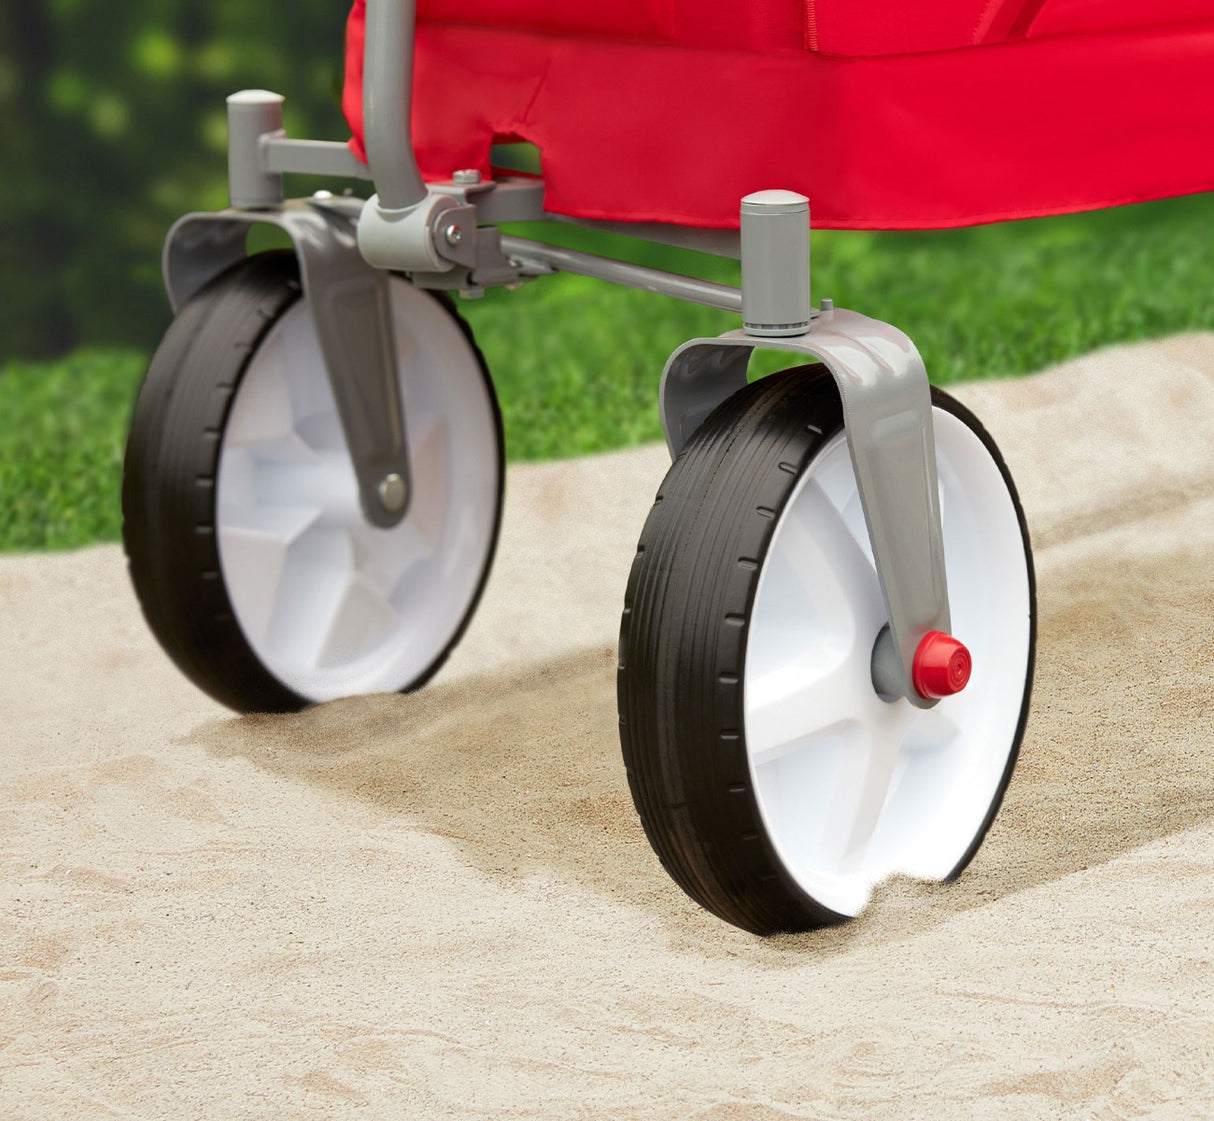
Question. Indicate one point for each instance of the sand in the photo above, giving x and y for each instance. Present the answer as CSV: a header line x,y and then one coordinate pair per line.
x,y
442,905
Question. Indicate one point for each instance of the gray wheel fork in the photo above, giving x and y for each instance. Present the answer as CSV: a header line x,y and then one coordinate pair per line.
x,y
351,310
887,416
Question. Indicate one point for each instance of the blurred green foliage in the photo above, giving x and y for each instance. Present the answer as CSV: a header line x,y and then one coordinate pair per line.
x,y
113,124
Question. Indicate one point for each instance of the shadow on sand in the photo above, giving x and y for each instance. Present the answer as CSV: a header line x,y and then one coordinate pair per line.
x,y
522,772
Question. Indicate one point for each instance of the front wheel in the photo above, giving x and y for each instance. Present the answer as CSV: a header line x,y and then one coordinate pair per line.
x,y
774,783
247,544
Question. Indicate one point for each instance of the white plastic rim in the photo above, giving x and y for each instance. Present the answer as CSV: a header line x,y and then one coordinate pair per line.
x,y
331,605
853,789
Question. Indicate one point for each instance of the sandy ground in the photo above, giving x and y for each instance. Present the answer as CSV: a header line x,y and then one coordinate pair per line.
x,y
443,906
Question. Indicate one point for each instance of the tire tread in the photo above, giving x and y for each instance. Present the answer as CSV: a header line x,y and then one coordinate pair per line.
x,y
170,472
683,643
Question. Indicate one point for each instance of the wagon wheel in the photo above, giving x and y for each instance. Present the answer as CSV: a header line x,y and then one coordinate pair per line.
x,y
247,545
774,783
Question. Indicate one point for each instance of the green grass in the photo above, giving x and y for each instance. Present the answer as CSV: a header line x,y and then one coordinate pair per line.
x,y
577,361
62,433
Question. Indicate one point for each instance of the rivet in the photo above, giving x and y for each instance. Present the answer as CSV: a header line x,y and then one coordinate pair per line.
x,y
392,492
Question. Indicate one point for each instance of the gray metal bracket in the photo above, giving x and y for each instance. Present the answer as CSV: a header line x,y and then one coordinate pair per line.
x,y
352,314
445,230
887,416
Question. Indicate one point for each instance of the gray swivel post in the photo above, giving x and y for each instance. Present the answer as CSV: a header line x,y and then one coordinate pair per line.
x,y
775,263
253,114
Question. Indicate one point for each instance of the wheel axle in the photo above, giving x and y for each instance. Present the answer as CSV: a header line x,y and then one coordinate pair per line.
x,y
941,667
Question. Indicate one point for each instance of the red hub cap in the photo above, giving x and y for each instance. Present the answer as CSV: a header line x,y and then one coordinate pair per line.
x,y
941,667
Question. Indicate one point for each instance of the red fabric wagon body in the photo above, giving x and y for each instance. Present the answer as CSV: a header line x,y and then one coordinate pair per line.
x,y
888,114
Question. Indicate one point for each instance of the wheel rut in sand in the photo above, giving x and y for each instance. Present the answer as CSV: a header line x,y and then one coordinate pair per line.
x,y
520,769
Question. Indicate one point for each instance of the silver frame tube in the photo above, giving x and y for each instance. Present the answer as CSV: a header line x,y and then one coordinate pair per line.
x,y
715,243
311,157
388,103
687,288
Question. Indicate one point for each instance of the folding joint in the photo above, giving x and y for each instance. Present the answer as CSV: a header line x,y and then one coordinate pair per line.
x,y
455,235
887,417
412,239
488,267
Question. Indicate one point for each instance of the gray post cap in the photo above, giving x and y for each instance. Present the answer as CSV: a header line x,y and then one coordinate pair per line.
x,y
774,202
255,97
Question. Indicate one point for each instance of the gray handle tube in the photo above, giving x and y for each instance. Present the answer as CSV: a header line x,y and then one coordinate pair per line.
x,y
388,101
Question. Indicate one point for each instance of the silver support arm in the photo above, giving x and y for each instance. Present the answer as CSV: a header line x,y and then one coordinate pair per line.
x,y
887,415
388,102
351,310
311,157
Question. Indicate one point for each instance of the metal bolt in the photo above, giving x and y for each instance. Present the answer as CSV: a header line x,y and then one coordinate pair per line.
x,y
392,492
467,176
828,304
453,234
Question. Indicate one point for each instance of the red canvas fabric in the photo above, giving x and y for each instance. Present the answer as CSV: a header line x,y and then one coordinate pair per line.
x,y
728,24
844,27
1081,17
663,111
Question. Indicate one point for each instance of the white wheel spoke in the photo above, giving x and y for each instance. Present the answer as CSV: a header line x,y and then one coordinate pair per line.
x,y
281,524
851,788
862,787
309,599
323,433
304,367
429,467
836,479
412,567
384,558
784,710
326,484
282,475
331,604
362,619
258,549
836,577
933,728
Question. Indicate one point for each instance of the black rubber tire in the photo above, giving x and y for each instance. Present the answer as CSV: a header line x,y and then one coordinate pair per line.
x,y
683,646
168,490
